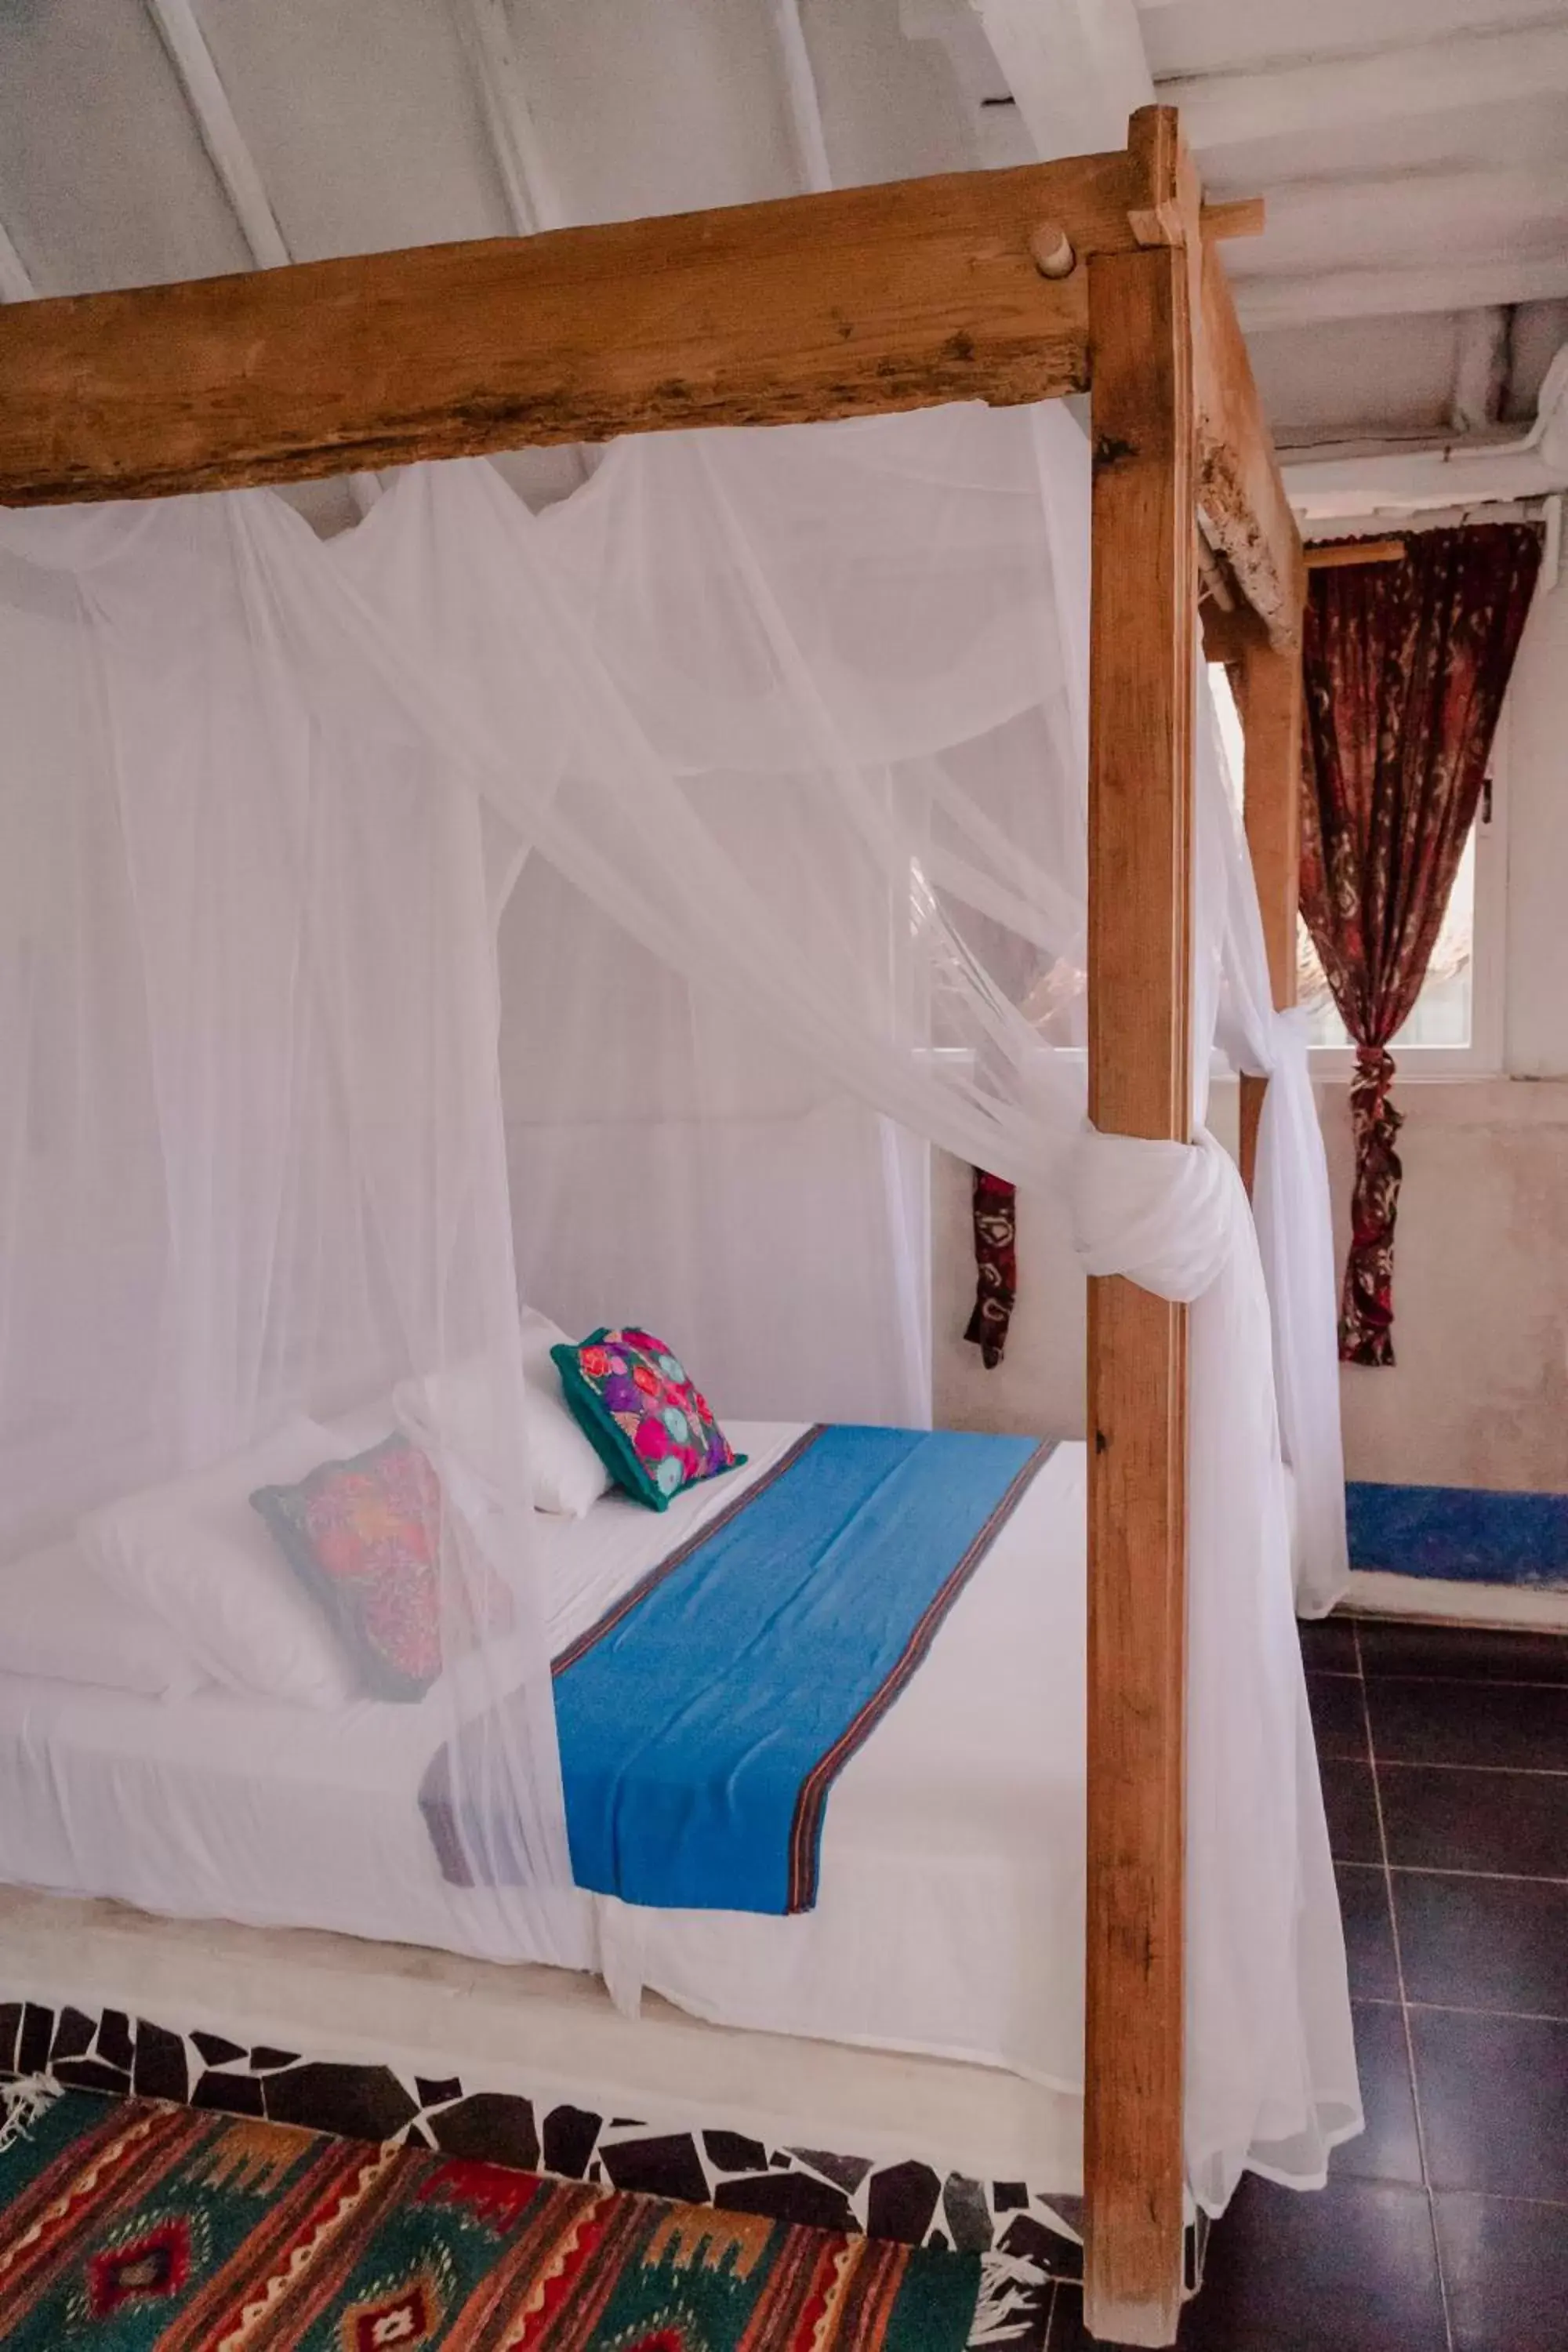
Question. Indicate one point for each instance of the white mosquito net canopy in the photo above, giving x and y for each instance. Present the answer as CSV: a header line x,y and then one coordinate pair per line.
x,y
607,910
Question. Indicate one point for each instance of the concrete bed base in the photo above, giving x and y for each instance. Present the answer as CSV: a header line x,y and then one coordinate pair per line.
x,y
534,2066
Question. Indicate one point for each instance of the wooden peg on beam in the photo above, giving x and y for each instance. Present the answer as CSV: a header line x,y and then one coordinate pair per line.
x,y
1241,216
1051,250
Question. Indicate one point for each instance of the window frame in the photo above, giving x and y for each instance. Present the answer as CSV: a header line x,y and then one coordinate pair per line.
x,y
1483,1057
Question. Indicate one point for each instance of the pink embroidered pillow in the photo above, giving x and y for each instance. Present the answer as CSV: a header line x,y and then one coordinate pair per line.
x,y
652,1429
364,1537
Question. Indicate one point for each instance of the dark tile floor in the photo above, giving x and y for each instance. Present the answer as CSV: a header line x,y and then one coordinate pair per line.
x,y
1445,2229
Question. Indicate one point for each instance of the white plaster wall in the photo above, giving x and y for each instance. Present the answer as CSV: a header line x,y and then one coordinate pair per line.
x,y
1537,994
1479,1396
1038,1386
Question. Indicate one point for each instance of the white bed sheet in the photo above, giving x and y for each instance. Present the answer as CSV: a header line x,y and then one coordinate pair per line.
x,y
950,1916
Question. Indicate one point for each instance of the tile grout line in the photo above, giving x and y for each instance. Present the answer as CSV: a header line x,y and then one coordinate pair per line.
x,y
1465,2009
1470,1681
1403,2002
1493,1877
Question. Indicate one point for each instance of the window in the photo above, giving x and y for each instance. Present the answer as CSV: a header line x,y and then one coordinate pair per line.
x,y
1444,1016
1457,1025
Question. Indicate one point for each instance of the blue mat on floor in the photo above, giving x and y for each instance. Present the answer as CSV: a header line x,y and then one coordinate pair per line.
x,y
1471,1533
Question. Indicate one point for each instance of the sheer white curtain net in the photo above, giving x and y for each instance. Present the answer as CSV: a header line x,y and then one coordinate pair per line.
x,y
611,907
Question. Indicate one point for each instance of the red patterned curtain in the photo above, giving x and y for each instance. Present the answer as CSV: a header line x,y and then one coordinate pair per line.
x,y
1405,668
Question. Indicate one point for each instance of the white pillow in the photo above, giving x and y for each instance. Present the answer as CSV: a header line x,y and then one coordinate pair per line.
x,y
197,1555
58,1618
568,1475
457,1405
452,1416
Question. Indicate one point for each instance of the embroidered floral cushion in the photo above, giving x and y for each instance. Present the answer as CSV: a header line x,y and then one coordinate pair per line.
x,y
364,1537
653,1429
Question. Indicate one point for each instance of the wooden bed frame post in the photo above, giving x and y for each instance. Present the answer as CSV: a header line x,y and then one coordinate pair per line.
x,y
1142,624
1268,679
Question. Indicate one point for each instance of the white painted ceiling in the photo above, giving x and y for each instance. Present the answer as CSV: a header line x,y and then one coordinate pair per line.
x,y
1414,152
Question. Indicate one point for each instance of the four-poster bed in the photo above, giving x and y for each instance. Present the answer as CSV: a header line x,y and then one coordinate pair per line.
x,y
1091,274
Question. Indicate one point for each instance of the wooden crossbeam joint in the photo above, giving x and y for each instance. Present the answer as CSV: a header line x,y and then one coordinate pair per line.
x,y
1170,203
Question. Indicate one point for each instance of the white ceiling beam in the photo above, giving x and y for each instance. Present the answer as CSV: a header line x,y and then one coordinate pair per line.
x,y
1462,213
1453,75
231,158
1306,301
1532,465
1076,67
16,286
1481,369
484,29
1333,490
998,136
802,97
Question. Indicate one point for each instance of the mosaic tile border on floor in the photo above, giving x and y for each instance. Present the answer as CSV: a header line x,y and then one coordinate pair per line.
x,y
1028,2235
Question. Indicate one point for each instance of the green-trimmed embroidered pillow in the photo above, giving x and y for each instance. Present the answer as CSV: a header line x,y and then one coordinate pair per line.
x,y
651,1427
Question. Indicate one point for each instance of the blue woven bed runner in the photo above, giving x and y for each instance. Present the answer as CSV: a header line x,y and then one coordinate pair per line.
x,y
703,1720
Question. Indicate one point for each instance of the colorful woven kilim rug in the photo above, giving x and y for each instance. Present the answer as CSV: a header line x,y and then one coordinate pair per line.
x,y
126,2226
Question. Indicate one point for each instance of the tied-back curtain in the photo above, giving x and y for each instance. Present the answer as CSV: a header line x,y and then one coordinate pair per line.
x,y
1405,666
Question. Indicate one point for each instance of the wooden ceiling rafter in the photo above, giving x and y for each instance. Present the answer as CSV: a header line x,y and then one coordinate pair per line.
x,y
15,281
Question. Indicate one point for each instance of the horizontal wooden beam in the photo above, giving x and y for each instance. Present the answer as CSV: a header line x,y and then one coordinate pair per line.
x,y
1337,555
1452,73
1241,498
852,303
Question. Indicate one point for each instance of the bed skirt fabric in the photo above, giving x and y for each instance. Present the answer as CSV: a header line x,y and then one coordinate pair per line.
x,y
705,1716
